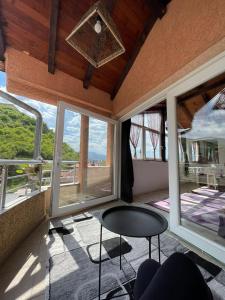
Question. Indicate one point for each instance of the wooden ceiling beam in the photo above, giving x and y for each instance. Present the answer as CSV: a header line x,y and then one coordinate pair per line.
x,y
88,76
158,6
90,68
2,41
2,66
53,35
158,11
186,110
201,90
205,97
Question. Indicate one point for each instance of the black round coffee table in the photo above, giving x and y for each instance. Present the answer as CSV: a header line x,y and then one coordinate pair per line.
x,y
132,221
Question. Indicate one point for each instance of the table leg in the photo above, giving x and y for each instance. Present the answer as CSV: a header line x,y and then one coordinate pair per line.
x,y
100,265
150,247
159,248
120,253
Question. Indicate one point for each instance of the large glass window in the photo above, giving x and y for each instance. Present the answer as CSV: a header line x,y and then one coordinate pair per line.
x,y
146,136
201,144
86,165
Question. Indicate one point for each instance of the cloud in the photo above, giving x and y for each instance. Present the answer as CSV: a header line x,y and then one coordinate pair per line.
x,y
208,123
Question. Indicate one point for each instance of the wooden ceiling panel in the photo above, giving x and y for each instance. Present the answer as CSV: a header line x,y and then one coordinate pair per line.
x,y
12,15
27,28
24,41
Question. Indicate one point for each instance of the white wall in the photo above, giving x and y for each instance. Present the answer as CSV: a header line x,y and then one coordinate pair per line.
x,y
150,176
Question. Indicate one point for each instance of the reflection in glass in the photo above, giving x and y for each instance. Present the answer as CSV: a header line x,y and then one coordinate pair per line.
x,y
201,145
86,160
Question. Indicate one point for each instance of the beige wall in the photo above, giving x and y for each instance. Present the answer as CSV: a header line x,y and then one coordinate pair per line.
x,y
189,34
29,77
150,176
18,222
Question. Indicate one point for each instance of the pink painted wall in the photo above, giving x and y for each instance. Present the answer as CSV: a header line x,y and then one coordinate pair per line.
x,y
29,77
144,182
189,34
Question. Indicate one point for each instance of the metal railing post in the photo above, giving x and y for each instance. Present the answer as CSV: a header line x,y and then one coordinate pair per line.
x,y
3,186
40,177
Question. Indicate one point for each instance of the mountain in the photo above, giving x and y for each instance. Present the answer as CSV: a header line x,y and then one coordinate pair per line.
x,y
17,132
96,156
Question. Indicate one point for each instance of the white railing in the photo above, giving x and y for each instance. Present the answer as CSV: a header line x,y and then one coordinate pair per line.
x,y
21,179
13,185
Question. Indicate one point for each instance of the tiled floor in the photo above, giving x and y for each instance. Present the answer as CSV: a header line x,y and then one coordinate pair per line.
x,y
25,273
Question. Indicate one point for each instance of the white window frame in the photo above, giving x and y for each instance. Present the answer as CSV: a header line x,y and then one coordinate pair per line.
x,y
205,72
144,129
72,208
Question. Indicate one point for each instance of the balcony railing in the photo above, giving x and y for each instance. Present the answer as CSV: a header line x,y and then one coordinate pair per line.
x,y
21,179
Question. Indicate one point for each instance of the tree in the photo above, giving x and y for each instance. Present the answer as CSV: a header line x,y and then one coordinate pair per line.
x,y
17,132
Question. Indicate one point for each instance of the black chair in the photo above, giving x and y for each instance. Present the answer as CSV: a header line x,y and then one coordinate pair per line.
x,y
178,278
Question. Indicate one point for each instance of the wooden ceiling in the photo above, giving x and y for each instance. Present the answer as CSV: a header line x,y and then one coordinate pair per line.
x,y
39,28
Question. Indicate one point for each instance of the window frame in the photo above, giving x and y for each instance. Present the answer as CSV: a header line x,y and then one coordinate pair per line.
x,y
144,130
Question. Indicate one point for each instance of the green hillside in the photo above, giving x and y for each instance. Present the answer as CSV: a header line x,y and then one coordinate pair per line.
x,y
17,137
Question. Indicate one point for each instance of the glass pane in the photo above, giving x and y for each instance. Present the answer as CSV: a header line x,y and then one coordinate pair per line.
x,y
138,119
136,152
22,181
100,158
87,159
17,132
201,144
69,174
150,140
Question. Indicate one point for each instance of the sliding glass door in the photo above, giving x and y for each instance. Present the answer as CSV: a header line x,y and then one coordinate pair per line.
x,y
201,141
84,168
196,122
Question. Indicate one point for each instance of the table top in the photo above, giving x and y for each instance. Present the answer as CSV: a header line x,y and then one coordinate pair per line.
x,y
133,221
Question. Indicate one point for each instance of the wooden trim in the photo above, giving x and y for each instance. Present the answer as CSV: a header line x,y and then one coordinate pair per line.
x,y
53,35
158,11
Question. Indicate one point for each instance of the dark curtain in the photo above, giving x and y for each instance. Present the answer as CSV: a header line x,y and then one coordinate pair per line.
x,y
127,174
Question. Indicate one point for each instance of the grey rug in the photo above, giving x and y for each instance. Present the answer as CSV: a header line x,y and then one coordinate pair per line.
x,y
74,261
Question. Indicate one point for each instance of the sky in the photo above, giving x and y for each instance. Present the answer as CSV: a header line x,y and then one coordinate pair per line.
x,y
208,123
97,129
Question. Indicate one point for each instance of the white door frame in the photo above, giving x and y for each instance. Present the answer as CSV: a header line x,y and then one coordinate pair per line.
x,y
205,72
55,209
